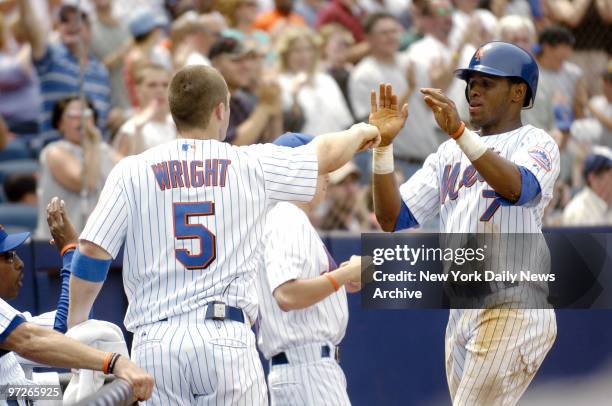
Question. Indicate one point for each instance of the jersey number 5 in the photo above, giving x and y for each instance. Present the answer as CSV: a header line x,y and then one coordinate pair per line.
x,y
185,231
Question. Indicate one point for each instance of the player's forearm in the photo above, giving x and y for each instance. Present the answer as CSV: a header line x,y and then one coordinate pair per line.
x,y
82,296
387,200
46,346
301,293
502,175
61,315
336,149
250,130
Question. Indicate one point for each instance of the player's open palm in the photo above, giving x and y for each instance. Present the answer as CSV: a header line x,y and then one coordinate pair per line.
x,y
443,108
386,115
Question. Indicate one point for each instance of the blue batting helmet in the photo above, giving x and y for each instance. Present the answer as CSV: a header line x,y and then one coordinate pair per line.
x,y
505,60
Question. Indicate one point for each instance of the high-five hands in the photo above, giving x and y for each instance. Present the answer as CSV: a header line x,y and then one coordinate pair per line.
x,y
444,110
385,113
369,134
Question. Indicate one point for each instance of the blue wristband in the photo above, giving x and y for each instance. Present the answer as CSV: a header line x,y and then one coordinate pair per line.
x,y
88,268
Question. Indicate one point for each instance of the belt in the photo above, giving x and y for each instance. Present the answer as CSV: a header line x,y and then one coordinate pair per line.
x,y
281,357
220,311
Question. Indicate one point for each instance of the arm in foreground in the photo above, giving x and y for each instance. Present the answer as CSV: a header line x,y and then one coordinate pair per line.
x,y
301,293
49,347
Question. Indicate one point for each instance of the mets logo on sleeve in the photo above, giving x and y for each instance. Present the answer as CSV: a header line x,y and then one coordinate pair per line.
x,y
541,157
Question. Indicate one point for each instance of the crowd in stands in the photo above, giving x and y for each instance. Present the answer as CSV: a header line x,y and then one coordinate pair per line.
x,y
84,84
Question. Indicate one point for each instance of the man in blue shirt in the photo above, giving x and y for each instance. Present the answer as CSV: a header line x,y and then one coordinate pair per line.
x,y
58,64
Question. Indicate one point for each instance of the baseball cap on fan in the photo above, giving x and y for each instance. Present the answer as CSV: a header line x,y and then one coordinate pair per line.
x,y
9,242
599,158
145,20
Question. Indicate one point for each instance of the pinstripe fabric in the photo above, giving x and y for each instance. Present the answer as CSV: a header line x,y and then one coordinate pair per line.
x,y
10,370
133,209
294,250
492,354
138,207
7,315
200,362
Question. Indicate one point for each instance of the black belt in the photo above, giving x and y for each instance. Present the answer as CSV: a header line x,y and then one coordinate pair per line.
x,y
281,357
220,311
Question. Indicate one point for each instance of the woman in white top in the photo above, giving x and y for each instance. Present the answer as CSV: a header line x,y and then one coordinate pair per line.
x,y
80,156
152,124
307,89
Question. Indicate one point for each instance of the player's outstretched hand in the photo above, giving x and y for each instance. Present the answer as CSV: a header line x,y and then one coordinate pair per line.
x,y
369,135
443,108
141,381
385,113
60,226
353,267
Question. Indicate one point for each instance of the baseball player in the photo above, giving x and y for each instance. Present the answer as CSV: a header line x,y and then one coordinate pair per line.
x,y
496,180
303,311
191,213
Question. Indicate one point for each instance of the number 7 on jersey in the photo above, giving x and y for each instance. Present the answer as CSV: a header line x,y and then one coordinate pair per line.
x,y
183,230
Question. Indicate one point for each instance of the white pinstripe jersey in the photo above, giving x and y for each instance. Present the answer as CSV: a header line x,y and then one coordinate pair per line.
x,y
449,185
10,371
191,213
294,250
7,315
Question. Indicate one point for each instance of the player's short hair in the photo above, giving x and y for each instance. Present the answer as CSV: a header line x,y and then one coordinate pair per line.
x,y
141,71
370,22
556,35
194,93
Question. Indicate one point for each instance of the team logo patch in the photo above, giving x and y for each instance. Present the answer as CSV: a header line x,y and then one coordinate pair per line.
x,y
479,53
186,147
541,157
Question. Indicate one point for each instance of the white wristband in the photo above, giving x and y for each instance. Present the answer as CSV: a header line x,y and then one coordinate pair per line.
x,y
471,144
382,160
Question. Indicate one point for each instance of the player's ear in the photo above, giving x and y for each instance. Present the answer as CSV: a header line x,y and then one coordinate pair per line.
x,y
518,92
220,111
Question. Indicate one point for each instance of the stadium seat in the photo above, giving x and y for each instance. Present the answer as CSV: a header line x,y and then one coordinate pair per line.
x,y
16,149
18,166
18,217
